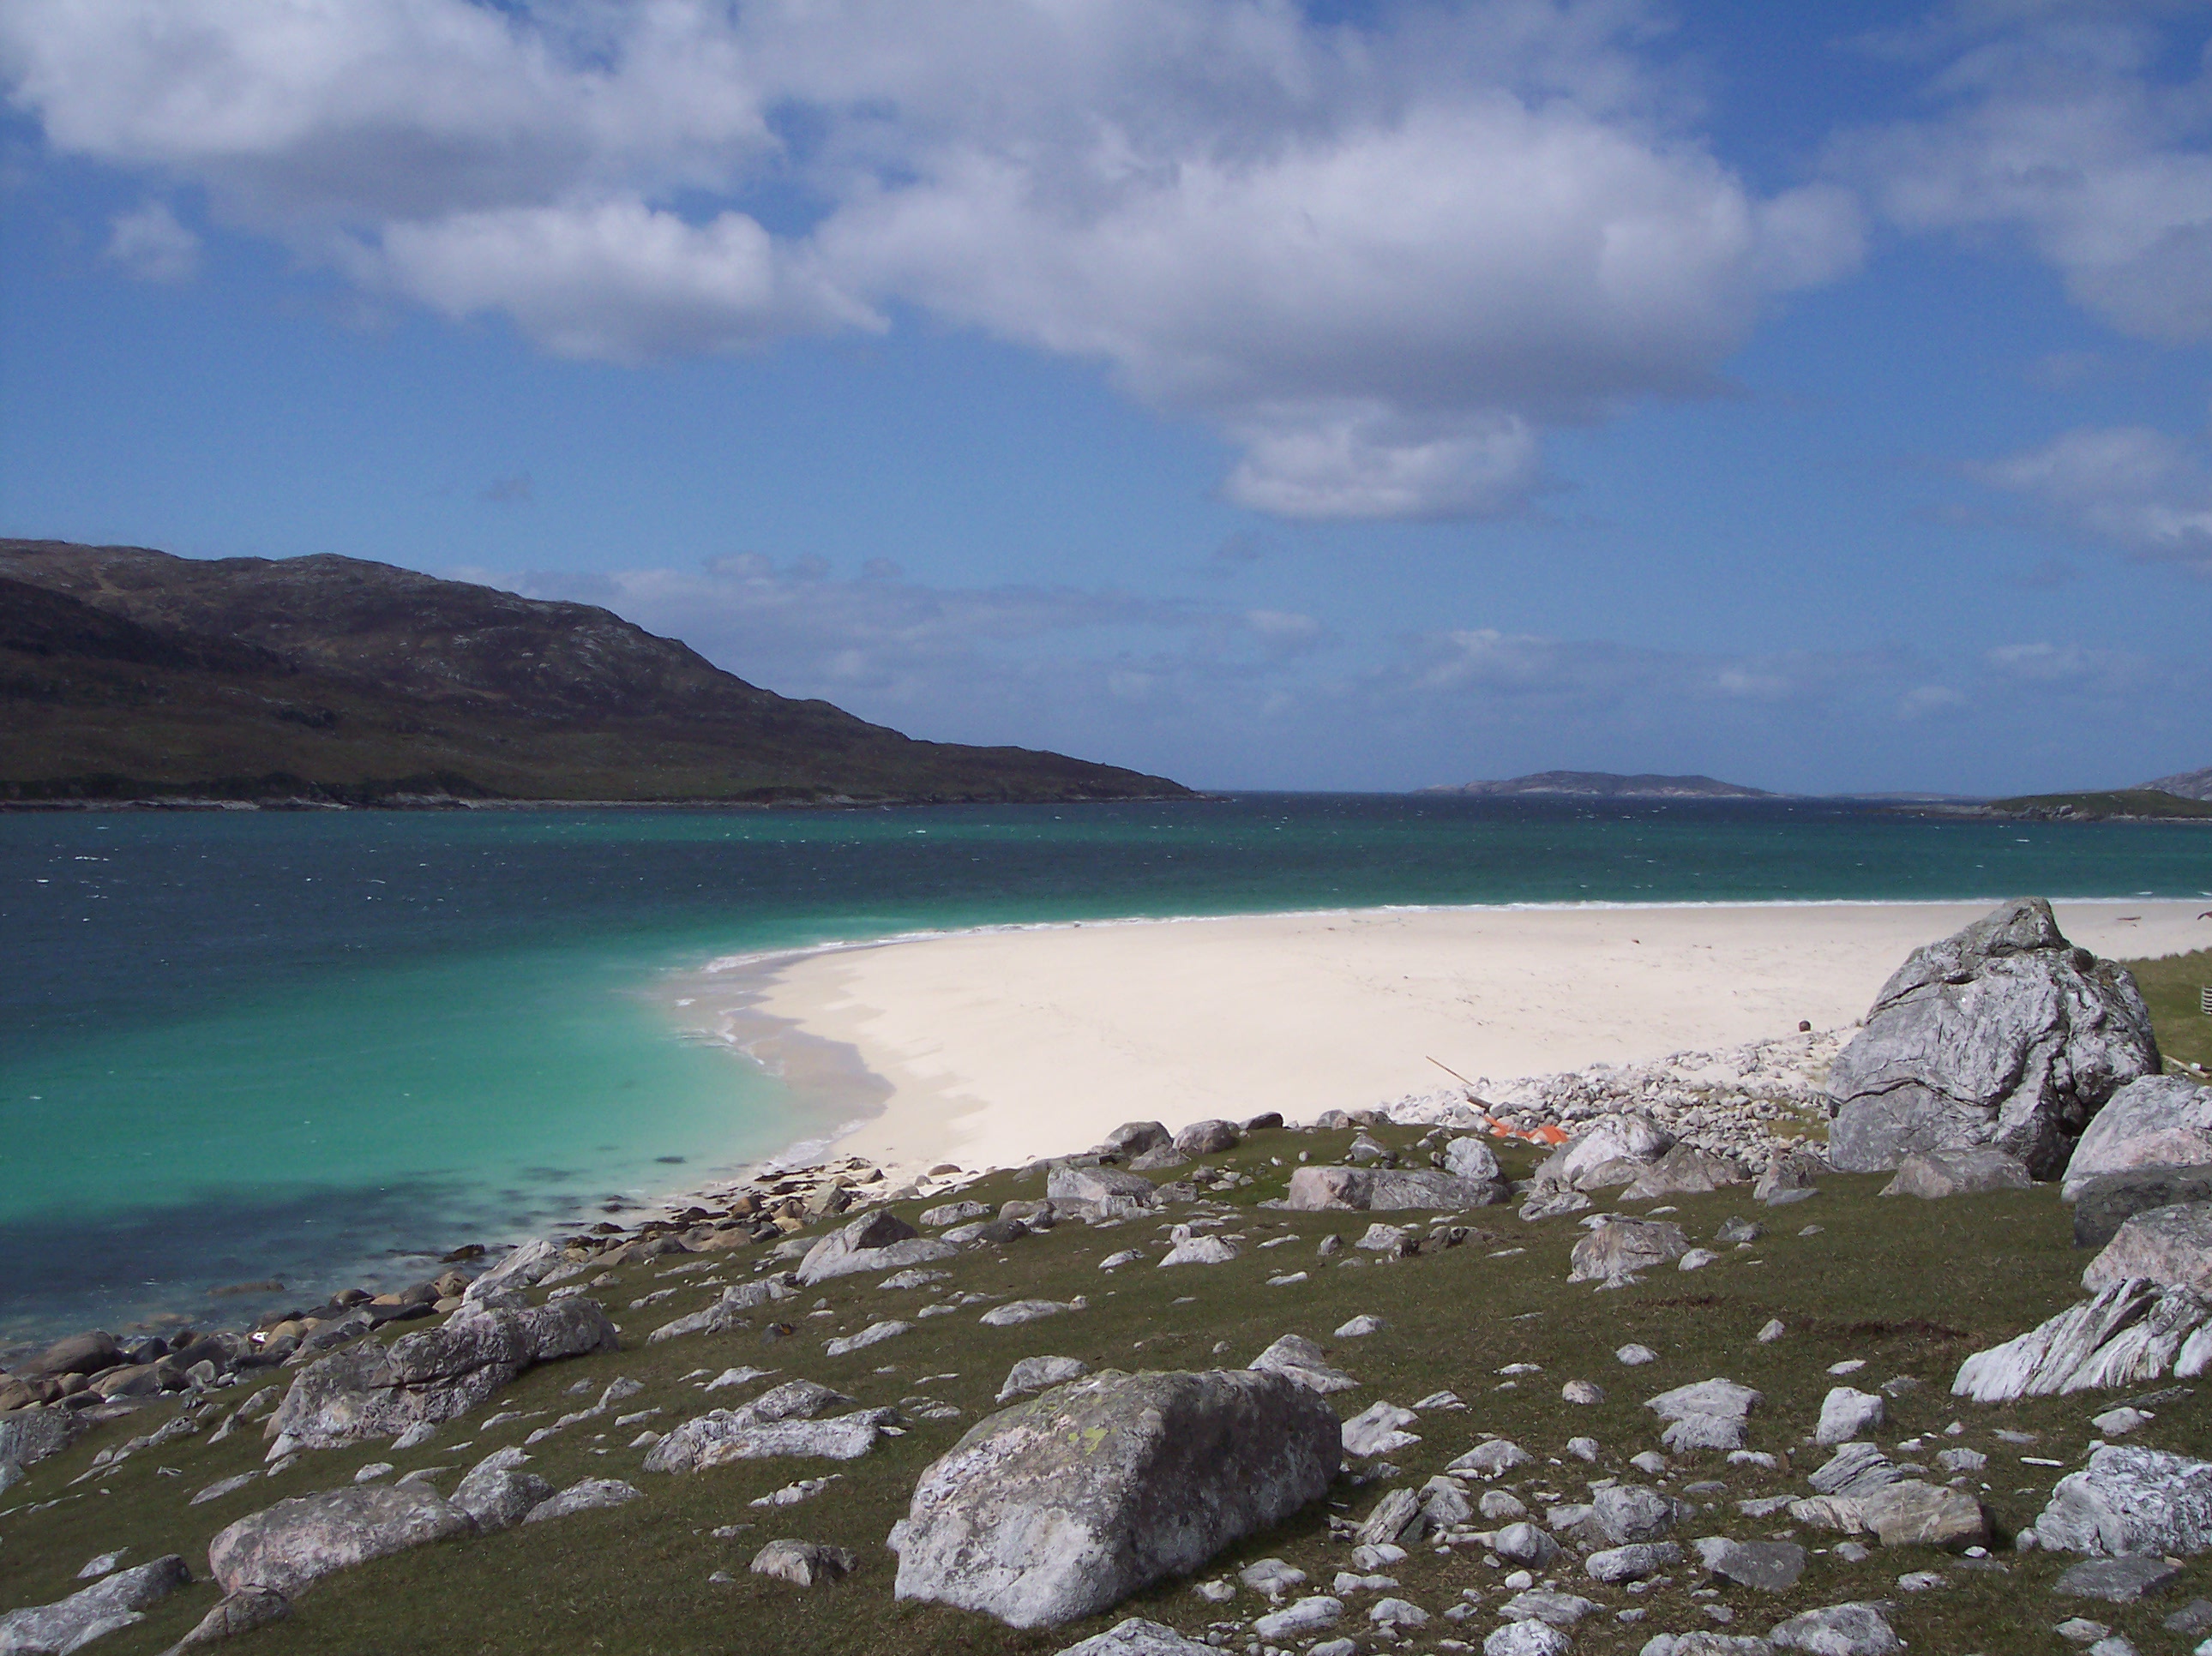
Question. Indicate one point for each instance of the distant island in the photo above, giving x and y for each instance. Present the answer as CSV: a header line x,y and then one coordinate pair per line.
x,y
2144,803
2190,784
129,675
1602,784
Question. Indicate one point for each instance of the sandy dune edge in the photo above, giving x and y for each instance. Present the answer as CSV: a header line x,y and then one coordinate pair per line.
x,y
993,1048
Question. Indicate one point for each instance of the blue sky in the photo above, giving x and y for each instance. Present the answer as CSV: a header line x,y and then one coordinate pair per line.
x,y
1342,395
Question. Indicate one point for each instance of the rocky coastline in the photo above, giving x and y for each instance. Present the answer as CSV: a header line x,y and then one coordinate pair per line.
x,y
1993,1062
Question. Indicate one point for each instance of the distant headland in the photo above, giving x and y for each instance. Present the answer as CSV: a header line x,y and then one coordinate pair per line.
x,y
129,675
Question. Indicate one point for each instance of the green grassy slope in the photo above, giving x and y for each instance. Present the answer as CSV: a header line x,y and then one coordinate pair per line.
x,y
2100,807
1909,1288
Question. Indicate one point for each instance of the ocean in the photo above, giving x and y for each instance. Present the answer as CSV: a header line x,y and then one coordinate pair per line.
x,y
325,1046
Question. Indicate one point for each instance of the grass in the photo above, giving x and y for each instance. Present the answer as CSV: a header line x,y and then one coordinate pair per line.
x,y
2170,988
1909,1288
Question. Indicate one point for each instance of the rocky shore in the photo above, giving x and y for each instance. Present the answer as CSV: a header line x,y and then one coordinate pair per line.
x,y
1154,1349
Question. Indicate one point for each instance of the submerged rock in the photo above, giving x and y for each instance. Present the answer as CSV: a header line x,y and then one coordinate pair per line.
x,y
1063,1506
2003,1034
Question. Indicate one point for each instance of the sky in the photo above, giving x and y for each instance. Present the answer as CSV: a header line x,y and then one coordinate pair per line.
x,y
1263,394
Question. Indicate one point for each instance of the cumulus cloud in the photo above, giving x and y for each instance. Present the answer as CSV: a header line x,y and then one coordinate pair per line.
x,y
150,244
1383,259
2128,486
2061,124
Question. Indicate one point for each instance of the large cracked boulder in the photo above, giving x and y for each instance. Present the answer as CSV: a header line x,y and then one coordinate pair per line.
x,y
881,1241
432,1375
2131,1502
1063,1505
1615,1251
2156,1121
290,1546
29,1435
2002,1034
1362,1190
1612,1150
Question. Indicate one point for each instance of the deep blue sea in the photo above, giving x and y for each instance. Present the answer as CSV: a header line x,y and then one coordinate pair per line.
x,y
314,1046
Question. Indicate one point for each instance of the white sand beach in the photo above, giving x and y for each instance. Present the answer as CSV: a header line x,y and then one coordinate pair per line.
x,y
998,1048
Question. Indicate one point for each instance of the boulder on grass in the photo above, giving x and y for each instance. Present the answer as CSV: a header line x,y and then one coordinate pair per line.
x,y
2104,1204
1618,1249
1685,1170
2156,1121
102,1608
432,1375
1587,1161
1362,1190
2171,1246
2003,1034
883,1241
290,1546
2132,1502
1969,1171
1063,1505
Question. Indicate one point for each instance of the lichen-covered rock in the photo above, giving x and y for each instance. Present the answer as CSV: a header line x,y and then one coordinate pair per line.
x,y
2154,1121
288,1547
117,1602
1969,1170
1621,1247
2001,1034
1063,1506
432,1375
2131,1502
882,1241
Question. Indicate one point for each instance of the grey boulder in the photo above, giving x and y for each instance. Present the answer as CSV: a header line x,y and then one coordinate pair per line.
x,y
1040,1374
2104,1204
1296,1357
693,1444
1611,1151
1685,1170
803,1563
288,1547
1855,1629
497,1494
2132,1502
29,1435
2133,1330
1107,1185
1968,1171
2117,1581
1135,1137
726,1313
2171,1246
1767,1566
1386,1189
237,1613
117,1602
1209,1138
881,1241
1623,1513
1472,1160
432,1375
2003,1034
1138,1637
1063,1505
1618,1248
589,1494
2154,1121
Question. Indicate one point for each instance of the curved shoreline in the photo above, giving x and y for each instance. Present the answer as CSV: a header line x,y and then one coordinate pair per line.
x,y
990,1046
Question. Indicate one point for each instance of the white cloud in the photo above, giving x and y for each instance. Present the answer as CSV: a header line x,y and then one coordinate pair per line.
x,y
150,244
1382,260
2061,126
2128,486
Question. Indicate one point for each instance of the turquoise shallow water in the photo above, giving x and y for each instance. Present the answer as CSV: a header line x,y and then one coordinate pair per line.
x,y
237,1045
